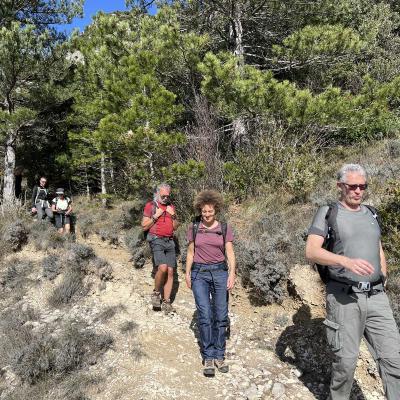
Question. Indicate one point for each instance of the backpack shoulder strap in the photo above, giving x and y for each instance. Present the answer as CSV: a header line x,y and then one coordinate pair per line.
x,y
330,218
153,207
224,228
374,213
195,229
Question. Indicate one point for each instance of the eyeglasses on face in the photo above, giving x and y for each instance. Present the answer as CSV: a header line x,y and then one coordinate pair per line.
x,y
165,196
362,186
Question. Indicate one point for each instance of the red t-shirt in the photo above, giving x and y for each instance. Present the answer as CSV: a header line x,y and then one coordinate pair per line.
x,y
164,225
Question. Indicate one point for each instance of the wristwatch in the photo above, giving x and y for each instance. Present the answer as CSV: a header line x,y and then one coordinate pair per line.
x,y
173,216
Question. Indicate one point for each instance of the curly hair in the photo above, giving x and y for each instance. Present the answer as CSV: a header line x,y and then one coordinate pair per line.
x,y
208,197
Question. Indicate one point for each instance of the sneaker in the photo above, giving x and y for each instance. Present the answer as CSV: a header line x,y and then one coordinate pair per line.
x,y
156,300
209,369
167,307
221,365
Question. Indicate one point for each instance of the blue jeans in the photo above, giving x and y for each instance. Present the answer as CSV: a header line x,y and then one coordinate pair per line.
x,y
210,293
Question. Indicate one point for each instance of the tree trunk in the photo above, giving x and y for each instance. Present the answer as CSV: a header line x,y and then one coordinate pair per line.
x,y
9,167
103,180
112,177
87,184
238,126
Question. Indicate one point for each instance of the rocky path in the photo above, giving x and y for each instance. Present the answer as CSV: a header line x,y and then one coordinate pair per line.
x,y
275,352
159,357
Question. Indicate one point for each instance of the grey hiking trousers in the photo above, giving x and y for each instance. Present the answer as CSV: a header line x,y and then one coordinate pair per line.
x,y
349,318
44,211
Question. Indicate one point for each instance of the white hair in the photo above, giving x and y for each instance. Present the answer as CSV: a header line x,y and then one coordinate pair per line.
x,y
159,187
342,174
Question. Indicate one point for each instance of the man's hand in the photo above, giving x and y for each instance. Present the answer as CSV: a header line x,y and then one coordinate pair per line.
x,y
231,281
188,281
34,210
170,210
158,213
359,266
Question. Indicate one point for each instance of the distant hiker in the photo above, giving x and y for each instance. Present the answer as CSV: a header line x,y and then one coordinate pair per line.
x,y
346,239
210,273
159,222
40,201
62,209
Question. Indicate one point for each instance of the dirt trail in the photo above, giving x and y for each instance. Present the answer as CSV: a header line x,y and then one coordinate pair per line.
x,y
168,364
161,360
156,356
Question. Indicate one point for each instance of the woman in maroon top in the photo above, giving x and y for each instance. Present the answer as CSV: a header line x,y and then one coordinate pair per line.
x,y
210,273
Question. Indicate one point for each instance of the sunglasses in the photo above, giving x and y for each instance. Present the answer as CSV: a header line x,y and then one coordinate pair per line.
x,y
166,196
355,187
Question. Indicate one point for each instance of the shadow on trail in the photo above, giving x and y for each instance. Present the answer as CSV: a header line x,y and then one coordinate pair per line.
x,y
304,346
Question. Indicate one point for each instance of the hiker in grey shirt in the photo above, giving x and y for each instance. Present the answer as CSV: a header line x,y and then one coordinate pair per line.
x,y
40,201
356,302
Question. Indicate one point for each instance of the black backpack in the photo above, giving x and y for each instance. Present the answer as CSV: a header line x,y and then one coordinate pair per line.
x,y
195,229
153,211
332,235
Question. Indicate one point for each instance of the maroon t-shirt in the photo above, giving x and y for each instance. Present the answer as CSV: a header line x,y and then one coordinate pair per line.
x,y
164,225
209,243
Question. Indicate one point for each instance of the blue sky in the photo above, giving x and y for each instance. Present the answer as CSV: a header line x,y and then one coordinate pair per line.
x,y
91,8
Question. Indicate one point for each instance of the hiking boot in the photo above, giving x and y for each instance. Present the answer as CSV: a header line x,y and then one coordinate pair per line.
x,y
209,369
167,307
221,365
156,300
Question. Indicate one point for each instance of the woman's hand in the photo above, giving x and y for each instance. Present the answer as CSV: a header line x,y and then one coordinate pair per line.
x,y
188,281
231,281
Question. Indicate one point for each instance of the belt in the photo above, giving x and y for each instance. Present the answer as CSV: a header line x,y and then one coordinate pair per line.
x,y
362,287
209,267
162,237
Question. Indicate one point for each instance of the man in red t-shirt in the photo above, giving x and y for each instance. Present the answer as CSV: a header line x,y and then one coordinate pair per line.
x,y
159,219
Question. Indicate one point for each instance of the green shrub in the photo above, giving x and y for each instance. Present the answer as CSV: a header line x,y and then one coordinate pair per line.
x,y
275,163
389,212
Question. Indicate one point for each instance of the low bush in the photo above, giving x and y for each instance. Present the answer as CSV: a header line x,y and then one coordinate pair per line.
x,y
81,251
109,223
51,266
134,241
393,291
109,233
86,225
45,236
130,214
389,212
70,287
49,354
262,271
102,269
15,273
15,234
134,238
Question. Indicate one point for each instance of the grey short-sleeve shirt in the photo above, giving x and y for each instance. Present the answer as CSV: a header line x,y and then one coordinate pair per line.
x,y
359,236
